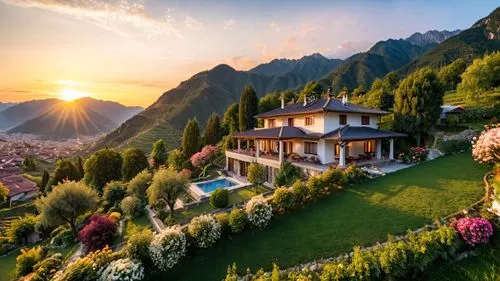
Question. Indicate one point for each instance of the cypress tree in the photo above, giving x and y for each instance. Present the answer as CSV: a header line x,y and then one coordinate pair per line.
x,y
79,165
212,133
249,104
159,153
191,138
231,119
45,180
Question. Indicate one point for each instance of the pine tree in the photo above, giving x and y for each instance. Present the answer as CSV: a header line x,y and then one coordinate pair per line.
x,y
159,153
212,133
248,109
45,180
191,138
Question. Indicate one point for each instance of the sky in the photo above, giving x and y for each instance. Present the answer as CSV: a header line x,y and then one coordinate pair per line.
x,y
132,51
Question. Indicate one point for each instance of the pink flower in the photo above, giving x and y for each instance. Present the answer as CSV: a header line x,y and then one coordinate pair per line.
x,y
201,158
473,230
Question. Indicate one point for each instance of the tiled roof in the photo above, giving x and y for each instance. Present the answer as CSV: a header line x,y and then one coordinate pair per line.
x,y
278,133
330,104
17,184
348,132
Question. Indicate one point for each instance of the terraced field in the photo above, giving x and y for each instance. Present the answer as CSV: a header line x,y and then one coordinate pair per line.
x,y
485,99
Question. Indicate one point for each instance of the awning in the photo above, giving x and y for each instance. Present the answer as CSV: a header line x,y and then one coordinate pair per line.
x,y
277,133
351,133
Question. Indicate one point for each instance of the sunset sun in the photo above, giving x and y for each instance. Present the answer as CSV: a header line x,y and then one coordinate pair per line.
x,y
71,95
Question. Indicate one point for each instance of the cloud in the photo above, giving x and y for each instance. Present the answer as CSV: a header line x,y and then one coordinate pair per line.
x,y
191,23
104,12
274,26
352,47
228,24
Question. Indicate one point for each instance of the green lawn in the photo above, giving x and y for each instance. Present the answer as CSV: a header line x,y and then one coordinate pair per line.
x,y
358,215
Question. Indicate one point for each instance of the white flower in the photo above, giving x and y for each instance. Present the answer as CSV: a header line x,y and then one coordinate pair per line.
x,y
205,230
259,211
168,247
123,269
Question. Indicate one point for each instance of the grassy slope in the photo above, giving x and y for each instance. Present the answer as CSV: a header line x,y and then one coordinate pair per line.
x,y
485,99
359,215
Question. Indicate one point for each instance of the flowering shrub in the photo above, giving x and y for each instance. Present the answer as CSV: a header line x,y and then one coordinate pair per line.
x,y
259,211
205,230
186,173
354,174
123,269
486,148
88,267
474,230
414,155
168,247
45,269
97,233
137,247
201,158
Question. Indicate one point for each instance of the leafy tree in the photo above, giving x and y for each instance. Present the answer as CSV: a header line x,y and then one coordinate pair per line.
x,y
176,159
79,166
482,75
159,153
168,185
417,103
248,109
102,167
114,192
269,102
65,203
20,229
287,174
131,206
138,185
97,233
311,90
381,94
256,174
212,133
191,138
45,180
134,161
359,91
4,194
450,75
29,164
230,121
65,170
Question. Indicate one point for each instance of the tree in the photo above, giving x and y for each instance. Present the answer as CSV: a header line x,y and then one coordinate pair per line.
x,y
65,170
450,75
20,229
269,102
138,185
482,75
29,164
230,121
45,180
134,161
287,174
159,153
102,167
381,94
131,206
212,133
4,194
417,103
79,166
191,138
176,159
65,203
114,192
311,90
97,233
256,174
168,185
248,109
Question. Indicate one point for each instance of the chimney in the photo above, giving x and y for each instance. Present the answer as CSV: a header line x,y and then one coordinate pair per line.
x,y
344,99
305,99
282,102
329,91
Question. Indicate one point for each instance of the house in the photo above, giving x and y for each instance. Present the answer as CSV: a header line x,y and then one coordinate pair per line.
x,y
20,189
313,135
449,110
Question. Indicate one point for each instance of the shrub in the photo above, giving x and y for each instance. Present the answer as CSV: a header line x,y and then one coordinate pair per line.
x,y
354,174
223,220
20,229
62,238
27,260
414,155
454,146
287,174
259,211
333,178
315,186
363,265
44,270
97,233
474,231
219,198
131,206
57,230
393,259
300,193
169,221
87,268
256,174
237,220
137,186
137,247
114,192
205,230
115,216
486,148
283,200
123,269
167,248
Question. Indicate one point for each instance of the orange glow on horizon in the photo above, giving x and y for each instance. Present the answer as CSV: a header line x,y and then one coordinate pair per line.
x,y
71,95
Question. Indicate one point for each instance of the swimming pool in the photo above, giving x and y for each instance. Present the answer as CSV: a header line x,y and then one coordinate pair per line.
x,y
209,186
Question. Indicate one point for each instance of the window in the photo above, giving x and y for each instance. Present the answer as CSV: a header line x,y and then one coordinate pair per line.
x,y
342,119
290,122
310,148
271,123
369,147
365,120
309,121
337,149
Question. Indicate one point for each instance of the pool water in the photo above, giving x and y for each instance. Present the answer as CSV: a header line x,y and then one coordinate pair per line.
x,y
210,186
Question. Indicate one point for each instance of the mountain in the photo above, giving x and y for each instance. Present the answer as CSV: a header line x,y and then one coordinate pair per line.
x,y
380,59
22,112
431,37
67,120
5,105
481,38
207,92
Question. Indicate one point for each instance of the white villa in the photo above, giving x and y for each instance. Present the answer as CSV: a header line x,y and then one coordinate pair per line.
x,y
313,135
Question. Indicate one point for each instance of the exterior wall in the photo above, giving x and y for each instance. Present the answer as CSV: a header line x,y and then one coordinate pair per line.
x,y
356,148
329,152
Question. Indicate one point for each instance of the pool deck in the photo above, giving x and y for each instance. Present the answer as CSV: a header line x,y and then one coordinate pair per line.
x,y
198,194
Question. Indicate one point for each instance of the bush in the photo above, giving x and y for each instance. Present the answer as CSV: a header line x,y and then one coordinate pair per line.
x,y
131,206
96,234
45,269
237,220
353,174
205,230
474,231
63,237
20,229
219,198
287,174
414,155
283,200
169,221
167,248
87,268
486,148
300,193
115,216
454,146
223,220
138,246
57,230
27,260
316,186
114,192
259,211
123,269
333,178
